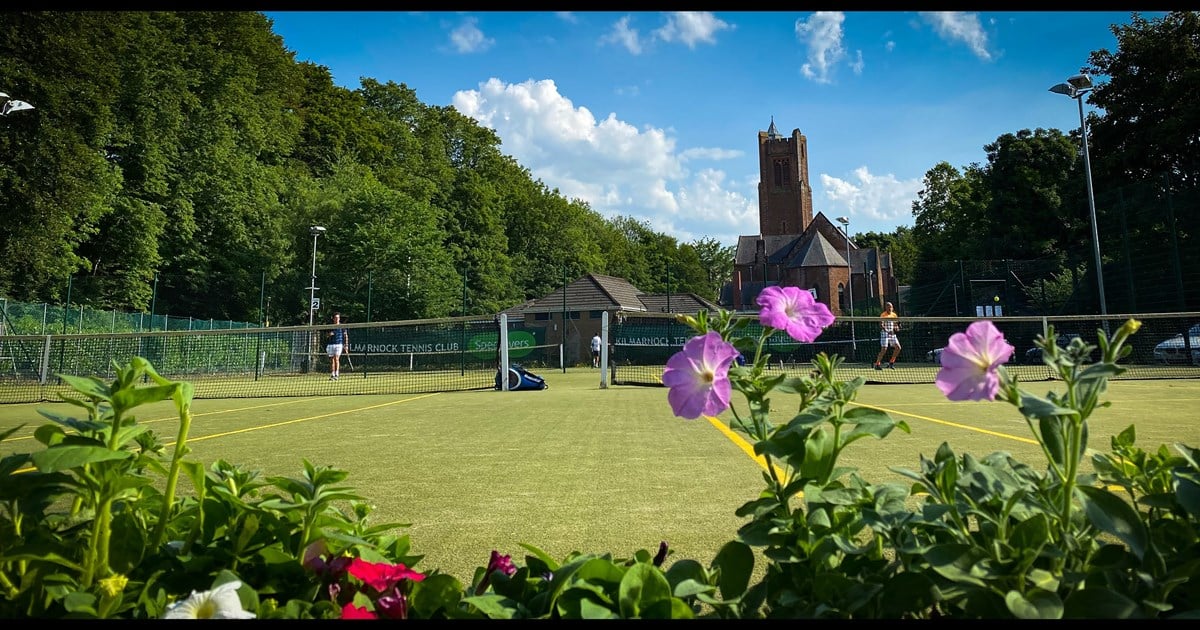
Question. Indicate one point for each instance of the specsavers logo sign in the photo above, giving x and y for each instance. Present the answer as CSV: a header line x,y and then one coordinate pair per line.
x,y
520,343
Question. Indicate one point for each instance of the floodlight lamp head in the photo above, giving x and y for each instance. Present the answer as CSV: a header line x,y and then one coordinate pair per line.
x,y
1080,82
316,230
844,220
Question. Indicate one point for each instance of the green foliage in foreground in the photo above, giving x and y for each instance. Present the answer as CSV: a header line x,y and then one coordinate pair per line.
x,y
92,525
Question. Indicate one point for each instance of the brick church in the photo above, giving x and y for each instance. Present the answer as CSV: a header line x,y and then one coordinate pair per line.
x,y
795,248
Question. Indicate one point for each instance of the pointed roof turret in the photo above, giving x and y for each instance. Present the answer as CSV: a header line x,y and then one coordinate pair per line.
x,y
772,132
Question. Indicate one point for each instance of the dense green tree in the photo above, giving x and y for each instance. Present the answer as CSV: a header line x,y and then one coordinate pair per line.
x,y
717,262
1028,176
1151,116
899,244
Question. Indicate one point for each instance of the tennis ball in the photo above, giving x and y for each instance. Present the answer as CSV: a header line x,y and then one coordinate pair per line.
x,y
996,298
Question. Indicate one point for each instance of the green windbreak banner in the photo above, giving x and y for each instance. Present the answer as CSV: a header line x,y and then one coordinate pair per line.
x,y
1166,346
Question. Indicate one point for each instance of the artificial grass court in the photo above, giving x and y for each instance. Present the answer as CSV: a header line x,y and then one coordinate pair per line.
x,y
576,467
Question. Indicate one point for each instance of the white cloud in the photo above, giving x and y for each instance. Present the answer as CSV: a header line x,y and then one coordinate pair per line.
x,y
956,26
628,90
875,197
823,35
467,38
858,64
611,164
623,35
691,27
567,16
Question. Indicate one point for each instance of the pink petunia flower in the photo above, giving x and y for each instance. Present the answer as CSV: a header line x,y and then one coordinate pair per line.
x,y
350,611
970,360
698,376
794,311
382,576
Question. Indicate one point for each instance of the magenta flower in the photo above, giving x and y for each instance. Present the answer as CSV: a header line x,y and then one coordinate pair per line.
x,y
793,310
497,562
698,376
970,360
350,611
380,575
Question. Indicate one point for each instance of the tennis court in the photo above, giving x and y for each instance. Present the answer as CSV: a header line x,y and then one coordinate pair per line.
x,y
576,467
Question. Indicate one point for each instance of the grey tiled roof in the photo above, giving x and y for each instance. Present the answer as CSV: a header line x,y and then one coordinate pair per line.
x,y
593,292
596,292
817,252
680,303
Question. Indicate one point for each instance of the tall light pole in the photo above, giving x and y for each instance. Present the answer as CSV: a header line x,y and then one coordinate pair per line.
x,y
316,231
845,221
1075,88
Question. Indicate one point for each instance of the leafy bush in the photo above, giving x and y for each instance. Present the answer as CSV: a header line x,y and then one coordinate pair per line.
x,y
94,525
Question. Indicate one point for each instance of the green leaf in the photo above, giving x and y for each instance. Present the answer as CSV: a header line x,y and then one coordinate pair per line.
x,y
493,606
642,587
438,591
66,457
1037,605
1101,603
89,386
735,560
954,562
132,397
1108,513
551,563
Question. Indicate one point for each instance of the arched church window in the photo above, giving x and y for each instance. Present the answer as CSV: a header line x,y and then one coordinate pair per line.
x,y
842,297
786,167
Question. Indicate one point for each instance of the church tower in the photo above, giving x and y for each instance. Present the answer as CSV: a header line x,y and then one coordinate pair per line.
x,y
784,196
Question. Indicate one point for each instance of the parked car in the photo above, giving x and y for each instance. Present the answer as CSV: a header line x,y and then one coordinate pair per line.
x,y
1173,350
1034,354
935,355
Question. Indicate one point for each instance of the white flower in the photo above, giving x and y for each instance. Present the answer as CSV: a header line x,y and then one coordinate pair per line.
x,y
220,603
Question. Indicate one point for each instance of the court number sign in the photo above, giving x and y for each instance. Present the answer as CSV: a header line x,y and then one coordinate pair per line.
x,y
316,304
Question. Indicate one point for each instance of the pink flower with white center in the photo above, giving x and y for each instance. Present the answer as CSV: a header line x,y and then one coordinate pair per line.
x,y
970,362
698,376
794,311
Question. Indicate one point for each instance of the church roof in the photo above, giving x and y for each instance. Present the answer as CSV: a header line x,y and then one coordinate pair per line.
x,y
772,132
817,252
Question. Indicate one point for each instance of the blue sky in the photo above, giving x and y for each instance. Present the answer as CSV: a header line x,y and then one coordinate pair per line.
x,y
655,115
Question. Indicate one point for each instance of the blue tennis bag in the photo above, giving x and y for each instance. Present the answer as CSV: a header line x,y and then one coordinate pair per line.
x,y
519,378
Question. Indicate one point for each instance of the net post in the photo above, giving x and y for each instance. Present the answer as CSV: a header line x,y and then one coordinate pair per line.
x,y
502,368
604,350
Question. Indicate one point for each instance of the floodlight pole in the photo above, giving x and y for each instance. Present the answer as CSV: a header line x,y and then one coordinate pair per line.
x,y
1075,88
316,231
845,221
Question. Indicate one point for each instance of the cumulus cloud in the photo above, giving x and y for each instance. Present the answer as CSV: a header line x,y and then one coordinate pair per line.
x,y
822,34
878,197
614,166
467,38
623,35
691,27
567,16
960,27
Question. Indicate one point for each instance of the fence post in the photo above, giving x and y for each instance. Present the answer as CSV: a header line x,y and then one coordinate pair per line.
x,y
45,371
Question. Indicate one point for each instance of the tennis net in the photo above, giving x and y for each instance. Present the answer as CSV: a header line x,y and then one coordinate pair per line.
x,y
1166,346
412,356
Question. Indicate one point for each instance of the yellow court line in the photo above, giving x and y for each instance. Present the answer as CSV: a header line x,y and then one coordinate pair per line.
x,y
749,450
324,415
948,423
278,424
742,444
207,413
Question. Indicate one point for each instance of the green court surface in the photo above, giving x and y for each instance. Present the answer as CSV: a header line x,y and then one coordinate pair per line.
x,y
577,467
